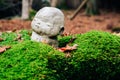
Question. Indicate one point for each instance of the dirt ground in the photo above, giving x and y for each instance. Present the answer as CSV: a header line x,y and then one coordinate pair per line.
x,y
80,24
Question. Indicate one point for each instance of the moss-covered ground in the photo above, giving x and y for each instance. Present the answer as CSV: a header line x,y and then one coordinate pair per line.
x,y
97,57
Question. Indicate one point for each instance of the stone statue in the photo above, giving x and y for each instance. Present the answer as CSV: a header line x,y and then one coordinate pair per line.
x,y
46,25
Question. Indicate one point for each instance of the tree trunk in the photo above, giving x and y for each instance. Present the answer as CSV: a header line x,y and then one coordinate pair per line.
x,y
73,3
53,3
26,5
92,7
30,4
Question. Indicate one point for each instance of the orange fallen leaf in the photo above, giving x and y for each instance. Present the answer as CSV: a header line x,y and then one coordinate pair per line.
x,y
4,48
68,48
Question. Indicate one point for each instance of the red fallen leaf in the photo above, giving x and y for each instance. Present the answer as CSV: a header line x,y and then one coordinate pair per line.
x,y
4,48
68,48
66,34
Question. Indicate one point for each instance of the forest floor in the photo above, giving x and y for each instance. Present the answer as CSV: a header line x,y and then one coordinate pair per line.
x,y
106,21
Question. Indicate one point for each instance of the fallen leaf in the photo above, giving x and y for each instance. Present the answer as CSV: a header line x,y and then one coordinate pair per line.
x,y
18,37
66,34
14,30
0,33
1,39
72,39
44,41
67,55
68,48
7,47
4,48
9,31
117,34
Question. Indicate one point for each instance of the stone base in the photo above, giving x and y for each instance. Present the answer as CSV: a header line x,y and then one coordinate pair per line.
x,y
44,39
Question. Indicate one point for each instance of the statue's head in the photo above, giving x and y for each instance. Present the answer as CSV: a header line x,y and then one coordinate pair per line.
x,y
48,21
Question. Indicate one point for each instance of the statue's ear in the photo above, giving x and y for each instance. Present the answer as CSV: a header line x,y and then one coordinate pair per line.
x,y
61,31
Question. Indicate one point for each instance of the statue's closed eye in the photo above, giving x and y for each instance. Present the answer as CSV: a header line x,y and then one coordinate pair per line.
x,y
39,23
49,25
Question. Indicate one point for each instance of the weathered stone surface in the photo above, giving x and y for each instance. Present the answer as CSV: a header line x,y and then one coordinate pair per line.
x,y
47,24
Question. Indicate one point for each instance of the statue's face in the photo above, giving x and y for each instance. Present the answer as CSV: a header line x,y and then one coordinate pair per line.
x,y
48,21
41,27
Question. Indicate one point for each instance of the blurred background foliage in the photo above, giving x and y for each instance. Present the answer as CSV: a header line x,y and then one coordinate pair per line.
x,y
14,7
10,8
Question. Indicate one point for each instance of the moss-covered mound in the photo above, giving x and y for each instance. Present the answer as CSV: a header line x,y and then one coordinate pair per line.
x,y
97,57
96,44
28,61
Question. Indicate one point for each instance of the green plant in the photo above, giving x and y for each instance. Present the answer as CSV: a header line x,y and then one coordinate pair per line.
x,y
32,14
3,3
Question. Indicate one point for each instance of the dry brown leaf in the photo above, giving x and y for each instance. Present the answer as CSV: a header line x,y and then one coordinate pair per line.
x,y
1,39
67,55
68,48
72,39
117,34
18,37
14,30
44,41
4,48
0,33
9,31
7,47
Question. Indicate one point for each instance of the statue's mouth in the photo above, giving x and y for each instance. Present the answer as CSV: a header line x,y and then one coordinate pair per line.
x,y
53,37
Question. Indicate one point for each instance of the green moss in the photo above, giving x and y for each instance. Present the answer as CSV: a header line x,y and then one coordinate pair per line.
x,y
96,44
8,38
97,56
32,14
28,60
64,40
25,34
